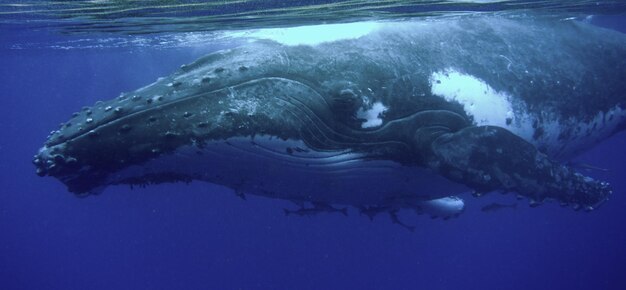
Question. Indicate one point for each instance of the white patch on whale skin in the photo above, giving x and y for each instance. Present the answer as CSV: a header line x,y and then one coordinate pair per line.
x,y
372,115
311,34
490,107
487,106
289,169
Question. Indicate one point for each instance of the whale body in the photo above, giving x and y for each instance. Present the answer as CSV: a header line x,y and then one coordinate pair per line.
x,y
404,116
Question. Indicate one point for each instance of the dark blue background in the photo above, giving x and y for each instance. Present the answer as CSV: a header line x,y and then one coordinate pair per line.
x,y
201,236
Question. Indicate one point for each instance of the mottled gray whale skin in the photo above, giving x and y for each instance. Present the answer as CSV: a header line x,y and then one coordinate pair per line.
x,y
401,117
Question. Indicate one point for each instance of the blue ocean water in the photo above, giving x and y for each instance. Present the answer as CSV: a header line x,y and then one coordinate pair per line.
x,y
202,236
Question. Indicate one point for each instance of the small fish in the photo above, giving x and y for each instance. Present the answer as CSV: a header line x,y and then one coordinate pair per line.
x,y
324,207
497,206
318,208
372,211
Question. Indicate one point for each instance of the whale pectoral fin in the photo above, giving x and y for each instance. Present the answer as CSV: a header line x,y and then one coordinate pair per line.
x,y
489,158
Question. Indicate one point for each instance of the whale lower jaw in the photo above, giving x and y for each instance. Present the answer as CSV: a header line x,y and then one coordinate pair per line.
x,y
291,170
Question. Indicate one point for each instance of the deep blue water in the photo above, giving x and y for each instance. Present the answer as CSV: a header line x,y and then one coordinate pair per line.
x,y
200,236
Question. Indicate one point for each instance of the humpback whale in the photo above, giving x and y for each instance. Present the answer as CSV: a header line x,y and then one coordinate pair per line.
x,y
405,116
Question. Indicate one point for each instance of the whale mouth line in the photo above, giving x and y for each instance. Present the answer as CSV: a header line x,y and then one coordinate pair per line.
x,y
170,103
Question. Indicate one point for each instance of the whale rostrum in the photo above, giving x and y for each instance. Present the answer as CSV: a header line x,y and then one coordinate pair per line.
x,y
405,116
